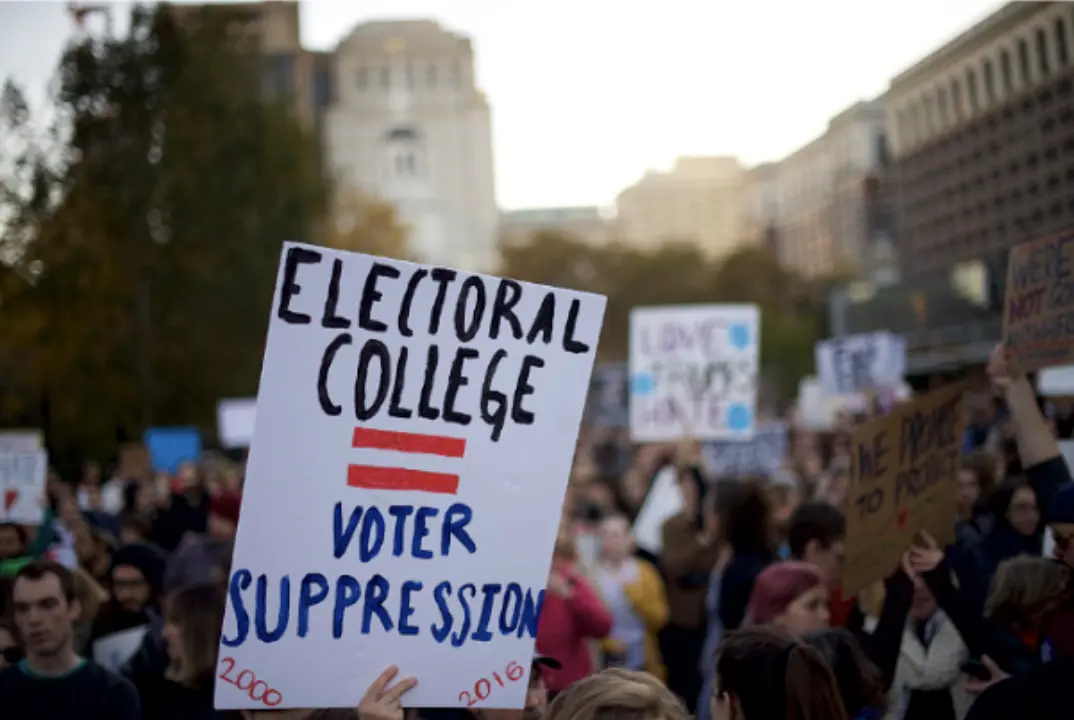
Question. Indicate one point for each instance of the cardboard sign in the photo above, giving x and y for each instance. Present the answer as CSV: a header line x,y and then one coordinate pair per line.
x,y
415,433
858,363
761,456
22,485
1038,310
903,473
693,371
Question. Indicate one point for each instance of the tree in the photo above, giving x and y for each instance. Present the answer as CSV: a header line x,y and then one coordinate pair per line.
x,y
678,273
362,224
142,242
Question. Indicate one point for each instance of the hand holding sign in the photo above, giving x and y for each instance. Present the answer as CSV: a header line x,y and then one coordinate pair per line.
x,y
928,558
1002,367
381,702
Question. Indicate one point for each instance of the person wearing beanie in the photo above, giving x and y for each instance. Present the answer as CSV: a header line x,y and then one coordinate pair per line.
x,y
1057,631
200,556
134,580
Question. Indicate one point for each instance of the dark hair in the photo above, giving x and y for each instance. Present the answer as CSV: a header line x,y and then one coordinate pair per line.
x,y
860,683
41,567
20,531
747,524
983,465
748,662
1000,500
818,521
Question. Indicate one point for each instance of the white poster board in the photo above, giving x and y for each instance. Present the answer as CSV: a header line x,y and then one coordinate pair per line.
x,y
663,501
21,441
858,363
416,428
22,486
113,651
235,422
760,456
693,372
1057,380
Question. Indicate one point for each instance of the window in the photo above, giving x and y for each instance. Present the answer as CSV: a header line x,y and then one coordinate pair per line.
x,y
1042,52
279,75
385,77
956,99
1061,42
989,82
941,106
971,89
430,76
1005,71
363,78
1023,62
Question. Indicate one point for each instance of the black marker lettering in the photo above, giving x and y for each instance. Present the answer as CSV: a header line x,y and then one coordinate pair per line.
x,y
372,348
408,300
295,256
508,295
443,277
371,296
543,320
329,407
456,381
329,318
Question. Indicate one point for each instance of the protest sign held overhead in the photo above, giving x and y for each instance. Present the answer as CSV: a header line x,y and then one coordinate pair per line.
x,y
1038,310
22,485
760,456
903,469
415,433
693,371
858,363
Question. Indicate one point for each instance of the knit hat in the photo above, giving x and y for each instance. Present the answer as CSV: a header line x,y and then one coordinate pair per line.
x,y
1061,509
147,559
226,505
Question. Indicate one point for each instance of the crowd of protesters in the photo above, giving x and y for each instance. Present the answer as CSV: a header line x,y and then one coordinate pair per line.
x,y
740,615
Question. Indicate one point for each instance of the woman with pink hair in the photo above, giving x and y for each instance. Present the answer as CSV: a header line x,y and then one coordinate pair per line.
x,y
792,596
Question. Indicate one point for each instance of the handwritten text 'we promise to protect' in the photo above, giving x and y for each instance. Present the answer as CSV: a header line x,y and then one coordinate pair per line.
x,y
482,306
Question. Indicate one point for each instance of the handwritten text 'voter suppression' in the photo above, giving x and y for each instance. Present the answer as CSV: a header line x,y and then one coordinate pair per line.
x,y
469,612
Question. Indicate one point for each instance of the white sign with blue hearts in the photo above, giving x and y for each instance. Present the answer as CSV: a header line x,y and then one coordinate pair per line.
x,y
693,372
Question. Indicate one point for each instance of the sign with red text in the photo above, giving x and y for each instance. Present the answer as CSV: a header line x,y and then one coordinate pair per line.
x,y
693,372
1038,310
415,432
23,474
903,470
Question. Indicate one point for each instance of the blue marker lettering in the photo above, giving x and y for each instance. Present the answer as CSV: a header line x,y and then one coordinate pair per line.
x,y
376,592
531,613
406,607
261,608
421,530
312,590
440,595
509,621
459,637
490,591
240,580
347,593
400,513
457,517
341,537
371,539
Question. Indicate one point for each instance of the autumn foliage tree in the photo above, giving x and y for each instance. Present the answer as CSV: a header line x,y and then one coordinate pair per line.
x,y
140,238
678,273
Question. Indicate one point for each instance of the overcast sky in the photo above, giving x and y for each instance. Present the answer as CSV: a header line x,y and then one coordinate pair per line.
x,y
586,95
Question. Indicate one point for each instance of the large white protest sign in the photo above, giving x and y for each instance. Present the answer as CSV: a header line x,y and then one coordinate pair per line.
x,y
762,455
21,441
22,486
415,433
857,363
693,372
235,422
663,502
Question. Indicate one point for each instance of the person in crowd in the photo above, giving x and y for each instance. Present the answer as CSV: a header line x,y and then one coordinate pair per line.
x,y
783,498
53,681
192,621
135,580
619,694
634,594
860,684
1024,590
762,673
193,561
18,547
94,547
927,683
792,596
976,481
572,617
816,535
690,550
749,533
1044,693
187,510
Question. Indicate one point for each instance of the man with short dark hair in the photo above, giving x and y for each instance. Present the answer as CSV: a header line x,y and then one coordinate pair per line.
x,y
53,682
816,533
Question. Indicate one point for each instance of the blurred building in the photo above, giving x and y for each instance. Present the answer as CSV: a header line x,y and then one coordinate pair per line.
x,y
586,224
699,201
290,71
825,207
409,126
983,153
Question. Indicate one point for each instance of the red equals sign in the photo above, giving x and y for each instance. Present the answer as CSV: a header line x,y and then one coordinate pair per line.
x,y
396,478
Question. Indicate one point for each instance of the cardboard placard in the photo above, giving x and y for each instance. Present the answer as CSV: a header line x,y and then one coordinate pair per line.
x,y
903,474
1038,310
